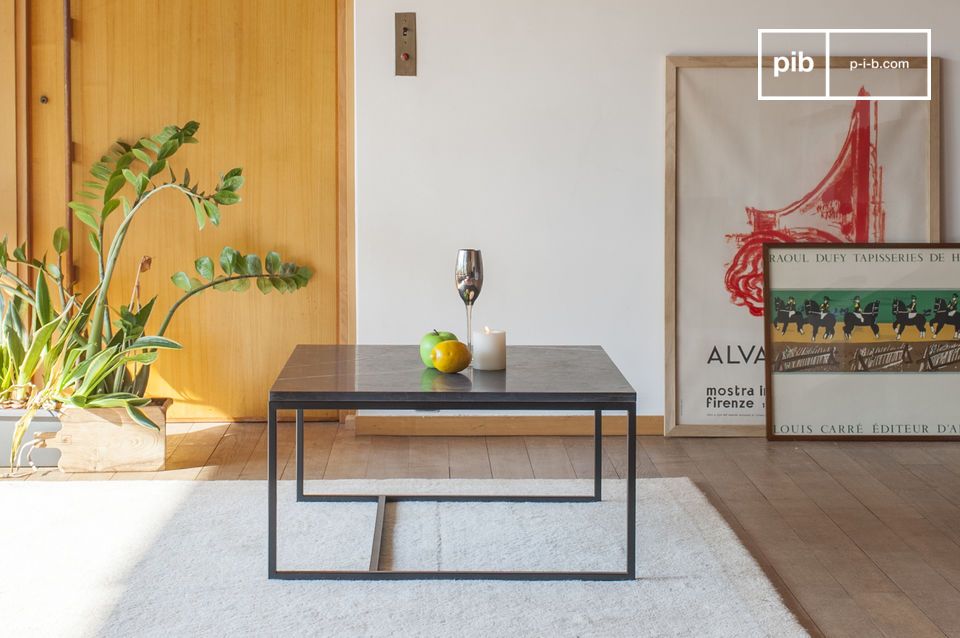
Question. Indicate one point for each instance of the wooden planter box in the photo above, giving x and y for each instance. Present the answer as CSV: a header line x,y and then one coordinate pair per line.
x,y
44,422
108,440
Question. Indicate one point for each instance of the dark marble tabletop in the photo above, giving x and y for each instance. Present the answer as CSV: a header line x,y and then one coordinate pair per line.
x,y
395,373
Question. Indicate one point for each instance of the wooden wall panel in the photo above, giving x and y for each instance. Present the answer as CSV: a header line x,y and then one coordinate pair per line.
x,y
261,78
8,118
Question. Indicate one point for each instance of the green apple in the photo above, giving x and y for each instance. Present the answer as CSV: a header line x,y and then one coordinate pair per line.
x,y
431,339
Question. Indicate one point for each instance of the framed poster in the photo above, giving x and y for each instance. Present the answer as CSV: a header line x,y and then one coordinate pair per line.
x,y
863,341
741,173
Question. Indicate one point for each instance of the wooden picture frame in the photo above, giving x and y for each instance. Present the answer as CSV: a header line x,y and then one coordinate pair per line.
x,y
867,372
675,424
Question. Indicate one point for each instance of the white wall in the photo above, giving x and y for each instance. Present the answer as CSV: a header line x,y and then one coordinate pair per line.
x,y
535,132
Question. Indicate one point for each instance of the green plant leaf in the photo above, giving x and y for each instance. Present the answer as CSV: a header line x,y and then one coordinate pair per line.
x,y
233,172
113,187
142,156
109,207
41,340
253,266
61,240
224,285
204,266
182,281
228,258
154,342
137,415
233,183
156,168
241,285
273,262
167,149
87,219
190,128
198,210
263,283
94,242
148,144
44,306
226,198
212,212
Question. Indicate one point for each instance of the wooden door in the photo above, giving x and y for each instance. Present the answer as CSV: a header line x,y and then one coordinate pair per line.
x,y
261,79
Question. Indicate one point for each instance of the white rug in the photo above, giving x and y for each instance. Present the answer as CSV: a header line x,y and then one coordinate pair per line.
x,y
171,559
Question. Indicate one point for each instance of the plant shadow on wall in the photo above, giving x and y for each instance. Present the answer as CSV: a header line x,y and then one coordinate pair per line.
x,y
65,348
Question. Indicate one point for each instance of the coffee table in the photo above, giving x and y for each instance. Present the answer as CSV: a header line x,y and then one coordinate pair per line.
x,y
343,377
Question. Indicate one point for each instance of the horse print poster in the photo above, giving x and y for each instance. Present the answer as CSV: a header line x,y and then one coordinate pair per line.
x,y
863,341
743,173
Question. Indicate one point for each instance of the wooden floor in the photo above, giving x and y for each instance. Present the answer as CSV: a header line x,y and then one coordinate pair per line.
x,y
862,539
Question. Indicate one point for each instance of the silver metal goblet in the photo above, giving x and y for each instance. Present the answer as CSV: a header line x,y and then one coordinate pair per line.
x,y
469,279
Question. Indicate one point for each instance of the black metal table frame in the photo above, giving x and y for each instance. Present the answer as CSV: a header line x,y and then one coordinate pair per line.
x,y
374,572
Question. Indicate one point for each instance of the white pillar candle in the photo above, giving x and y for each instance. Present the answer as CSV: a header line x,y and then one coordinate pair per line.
x,y
489,349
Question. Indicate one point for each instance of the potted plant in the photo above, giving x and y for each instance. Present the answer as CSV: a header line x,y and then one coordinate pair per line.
x,y
26,303
100,376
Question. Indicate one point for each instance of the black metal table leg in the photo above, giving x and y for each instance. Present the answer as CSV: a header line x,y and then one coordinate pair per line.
x,y
271,490
597,454
632,491
299,444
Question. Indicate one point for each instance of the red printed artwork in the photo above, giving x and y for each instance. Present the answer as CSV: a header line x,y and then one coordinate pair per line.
x,y
846,206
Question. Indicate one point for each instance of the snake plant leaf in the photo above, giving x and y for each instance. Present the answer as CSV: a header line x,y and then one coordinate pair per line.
x,y
154,342
143,315
137,415
114,400
204,266
15,347
61,240
41,340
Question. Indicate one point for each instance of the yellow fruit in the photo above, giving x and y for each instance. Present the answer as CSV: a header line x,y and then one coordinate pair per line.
x,y
450,356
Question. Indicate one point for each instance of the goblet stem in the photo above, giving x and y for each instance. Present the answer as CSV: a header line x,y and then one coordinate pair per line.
x,y
470,326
